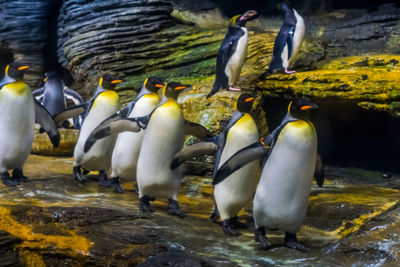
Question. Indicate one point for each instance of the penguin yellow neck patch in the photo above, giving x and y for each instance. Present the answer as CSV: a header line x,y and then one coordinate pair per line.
x,y
17,88
109,97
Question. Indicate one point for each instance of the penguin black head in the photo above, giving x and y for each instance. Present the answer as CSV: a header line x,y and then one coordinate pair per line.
x,y
109,82
300,107
173,89
51,75
245,103
16,70
153,84
240,20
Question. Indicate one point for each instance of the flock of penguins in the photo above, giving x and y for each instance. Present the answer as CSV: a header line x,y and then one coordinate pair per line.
x,y
145,139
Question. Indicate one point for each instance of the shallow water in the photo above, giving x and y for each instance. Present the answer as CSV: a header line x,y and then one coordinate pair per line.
x,y
353,220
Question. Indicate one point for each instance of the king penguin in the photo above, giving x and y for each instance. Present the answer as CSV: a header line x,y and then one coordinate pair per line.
x,y
104,103
232,192
127,147
163,138
17,121
290,153
53,96
232,53
288,41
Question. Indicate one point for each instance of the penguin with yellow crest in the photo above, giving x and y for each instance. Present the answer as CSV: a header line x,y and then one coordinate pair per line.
x,y
164,136
232,53
127,147
104,103
231,192
18,112
290,163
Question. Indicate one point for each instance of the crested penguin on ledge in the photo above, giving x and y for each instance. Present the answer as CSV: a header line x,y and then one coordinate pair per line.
x,y
232,53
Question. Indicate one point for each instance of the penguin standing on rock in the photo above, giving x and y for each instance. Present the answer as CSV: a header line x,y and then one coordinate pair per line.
x,y
288,41
290,153
104,103
18,112
232,192
127,147
53,96
232,53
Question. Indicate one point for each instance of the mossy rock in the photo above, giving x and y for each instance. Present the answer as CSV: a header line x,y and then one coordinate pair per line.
x,y
371,82
43,146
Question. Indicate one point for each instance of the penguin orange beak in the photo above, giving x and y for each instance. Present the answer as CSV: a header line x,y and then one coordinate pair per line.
x,y
249,99
23,68
159,85
181,87
308,107
116,81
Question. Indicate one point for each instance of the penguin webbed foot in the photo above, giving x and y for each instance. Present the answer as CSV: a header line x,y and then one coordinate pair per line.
x,y
229,229
238,225
289,71
291,242
78,175
234,89
18,175
103,180
174,209
144,204
9,181
259,236
114,183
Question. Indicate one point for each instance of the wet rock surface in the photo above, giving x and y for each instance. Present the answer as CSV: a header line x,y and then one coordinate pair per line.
x,y
54,220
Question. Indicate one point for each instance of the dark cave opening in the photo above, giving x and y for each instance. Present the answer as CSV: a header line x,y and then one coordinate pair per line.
x,y
348,135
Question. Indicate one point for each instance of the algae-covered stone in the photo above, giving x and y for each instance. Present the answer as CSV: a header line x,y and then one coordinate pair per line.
x,y
371,81
43,146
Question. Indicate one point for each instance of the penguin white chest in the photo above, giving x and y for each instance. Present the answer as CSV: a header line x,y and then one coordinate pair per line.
x,y
163,138
298,35
126,150
17,121
282,194
235,191
237,59
99,156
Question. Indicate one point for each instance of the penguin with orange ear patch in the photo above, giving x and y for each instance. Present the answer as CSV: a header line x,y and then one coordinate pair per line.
x,y
104,103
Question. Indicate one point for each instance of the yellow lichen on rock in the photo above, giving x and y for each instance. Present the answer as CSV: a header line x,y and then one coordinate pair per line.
x,y
71,244
372,82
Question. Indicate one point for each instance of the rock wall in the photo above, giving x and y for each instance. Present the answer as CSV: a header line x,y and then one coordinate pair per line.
x,y
23,33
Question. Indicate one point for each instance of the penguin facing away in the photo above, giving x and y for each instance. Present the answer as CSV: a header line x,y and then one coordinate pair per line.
x,y
19,110
290,153
53,96
288,41
232,53
236,190
104,103
127,147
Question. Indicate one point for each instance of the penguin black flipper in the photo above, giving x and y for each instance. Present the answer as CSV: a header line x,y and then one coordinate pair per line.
x,y
252,152
289,41
197,130
202,148
240,159
43,117
71,112
38,93
73,96
116,123
228,47
319,174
